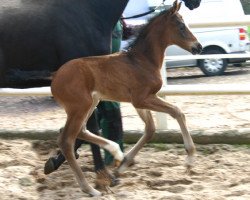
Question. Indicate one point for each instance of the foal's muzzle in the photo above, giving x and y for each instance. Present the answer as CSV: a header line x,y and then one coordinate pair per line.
x,y
196,48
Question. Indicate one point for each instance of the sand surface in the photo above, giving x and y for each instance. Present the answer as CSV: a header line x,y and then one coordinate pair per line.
x,y
220,172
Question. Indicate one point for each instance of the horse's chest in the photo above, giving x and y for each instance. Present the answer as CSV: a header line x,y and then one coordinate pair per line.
x,y
152,80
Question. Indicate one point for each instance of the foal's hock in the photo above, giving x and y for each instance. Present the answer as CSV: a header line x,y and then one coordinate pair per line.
x,y
133,77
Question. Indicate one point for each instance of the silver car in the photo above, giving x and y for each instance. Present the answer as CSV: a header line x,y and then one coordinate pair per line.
x,y
227,40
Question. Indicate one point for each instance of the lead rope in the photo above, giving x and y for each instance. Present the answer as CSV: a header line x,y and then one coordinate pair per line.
x,y
146,13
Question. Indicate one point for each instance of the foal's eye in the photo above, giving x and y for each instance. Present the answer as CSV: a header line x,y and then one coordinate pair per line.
x,y
182,27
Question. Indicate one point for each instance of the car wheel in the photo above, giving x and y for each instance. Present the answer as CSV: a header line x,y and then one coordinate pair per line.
x,y
213,67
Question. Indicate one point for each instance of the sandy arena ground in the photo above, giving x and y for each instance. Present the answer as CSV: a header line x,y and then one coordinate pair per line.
x,y
221,172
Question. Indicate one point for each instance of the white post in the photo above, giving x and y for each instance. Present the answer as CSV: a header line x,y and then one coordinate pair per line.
x,y
161,118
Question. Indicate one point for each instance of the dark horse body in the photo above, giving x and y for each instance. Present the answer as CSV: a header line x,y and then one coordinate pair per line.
x,y
38,36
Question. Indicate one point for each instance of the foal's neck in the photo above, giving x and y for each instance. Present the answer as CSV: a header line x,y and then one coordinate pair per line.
x,y
151,46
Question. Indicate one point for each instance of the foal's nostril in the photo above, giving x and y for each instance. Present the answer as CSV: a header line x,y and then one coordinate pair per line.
x,y
200,48
197,49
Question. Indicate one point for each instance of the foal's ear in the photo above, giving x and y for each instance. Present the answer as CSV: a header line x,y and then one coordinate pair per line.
x,y
176,7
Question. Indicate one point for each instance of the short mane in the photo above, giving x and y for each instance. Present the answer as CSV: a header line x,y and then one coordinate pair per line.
x,y
144,29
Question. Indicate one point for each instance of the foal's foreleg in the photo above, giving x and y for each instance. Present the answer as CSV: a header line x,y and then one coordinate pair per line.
x,y
147,118
155,103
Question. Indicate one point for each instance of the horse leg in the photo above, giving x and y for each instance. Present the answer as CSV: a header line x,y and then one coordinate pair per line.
x,y
157,104
103,177
93,126
147,118
111,125
66,140
53,163
106,144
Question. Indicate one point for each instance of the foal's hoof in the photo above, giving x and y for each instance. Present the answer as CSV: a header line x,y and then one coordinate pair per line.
x,y
117,163
124,165
189,164
105,179
94,193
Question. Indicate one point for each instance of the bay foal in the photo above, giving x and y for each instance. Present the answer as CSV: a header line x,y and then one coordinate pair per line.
x,y
132,76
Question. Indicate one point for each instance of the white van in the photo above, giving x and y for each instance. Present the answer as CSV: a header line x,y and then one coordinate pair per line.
x,y
214,40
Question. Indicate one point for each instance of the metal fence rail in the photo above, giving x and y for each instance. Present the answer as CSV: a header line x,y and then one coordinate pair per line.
x,y
207,56
39,91
206,89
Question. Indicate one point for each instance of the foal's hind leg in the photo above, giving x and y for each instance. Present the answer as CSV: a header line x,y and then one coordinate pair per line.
x,y
147,118
108,145
66,142
155,103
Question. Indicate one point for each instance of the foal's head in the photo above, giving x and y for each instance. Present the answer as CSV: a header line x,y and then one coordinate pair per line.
x,y
178,33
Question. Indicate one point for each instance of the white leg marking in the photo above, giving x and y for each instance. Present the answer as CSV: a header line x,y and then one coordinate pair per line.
x,y
115,150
